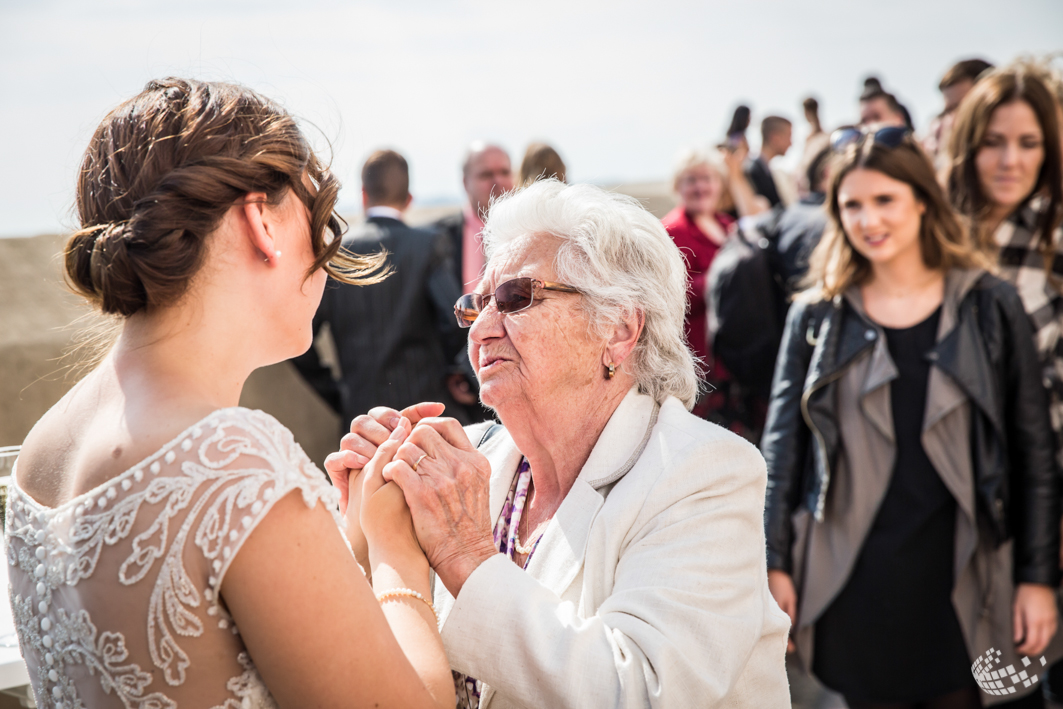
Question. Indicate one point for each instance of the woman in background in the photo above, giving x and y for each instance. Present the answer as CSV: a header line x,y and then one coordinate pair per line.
x,y
699,229
540,162
1006,177
913,506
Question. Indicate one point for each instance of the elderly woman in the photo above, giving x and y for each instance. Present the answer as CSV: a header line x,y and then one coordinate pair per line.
x,y
602,546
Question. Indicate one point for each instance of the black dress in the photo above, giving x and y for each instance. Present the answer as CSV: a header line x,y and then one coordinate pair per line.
x,y
892,635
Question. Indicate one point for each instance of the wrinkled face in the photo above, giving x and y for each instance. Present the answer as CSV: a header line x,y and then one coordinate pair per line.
x,y
699,188
489,175
880,215
954,94
1010,155
542,354
878,111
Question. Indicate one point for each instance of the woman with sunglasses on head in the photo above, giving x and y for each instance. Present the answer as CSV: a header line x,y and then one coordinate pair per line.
x,y
167,547
913,507
601,546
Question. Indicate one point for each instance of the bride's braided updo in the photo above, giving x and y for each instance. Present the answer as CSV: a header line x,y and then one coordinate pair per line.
x,y
161,171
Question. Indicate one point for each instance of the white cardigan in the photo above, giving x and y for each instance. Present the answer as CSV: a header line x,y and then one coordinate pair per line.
x,y
649,586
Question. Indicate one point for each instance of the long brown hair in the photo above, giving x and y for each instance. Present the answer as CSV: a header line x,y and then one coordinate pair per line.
x,y
835,265
161,171
999,87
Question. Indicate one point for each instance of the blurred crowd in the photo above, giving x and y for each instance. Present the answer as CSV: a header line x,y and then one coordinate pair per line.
x,y
884,322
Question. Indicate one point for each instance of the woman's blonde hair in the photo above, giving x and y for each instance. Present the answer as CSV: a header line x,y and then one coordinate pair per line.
x,y
691,158
835,265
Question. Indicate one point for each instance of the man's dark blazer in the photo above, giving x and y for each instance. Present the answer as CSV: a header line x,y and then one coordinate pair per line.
x,y
397,340
452,227
760,179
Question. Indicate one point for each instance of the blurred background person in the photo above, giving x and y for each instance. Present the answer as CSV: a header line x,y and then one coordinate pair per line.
x,y
736,132
954,85
879,107
540,161
735,144
486,173
750,284
395,340
699,229
815,142
913,505
776,138
1006,179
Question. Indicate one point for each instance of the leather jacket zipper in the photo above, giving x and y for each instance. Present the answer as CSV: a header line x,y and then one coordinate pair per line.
x,y
822,497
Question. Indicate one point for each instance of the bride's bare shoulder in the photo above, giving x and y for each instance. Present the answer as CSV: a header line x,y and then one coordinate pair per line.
x,y
95,433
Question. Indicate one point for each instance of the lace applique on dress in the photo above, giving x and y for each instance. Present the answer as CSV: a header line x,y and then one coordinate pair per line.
x,y
166,531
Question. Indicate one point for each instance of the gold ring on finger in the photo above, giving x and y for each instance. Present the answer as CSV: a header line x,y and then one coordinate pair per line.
x,y
423,456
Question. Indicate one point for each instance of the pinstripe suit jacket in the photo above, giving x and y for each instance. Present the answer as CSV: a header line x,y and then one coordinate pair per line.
x,y
398,339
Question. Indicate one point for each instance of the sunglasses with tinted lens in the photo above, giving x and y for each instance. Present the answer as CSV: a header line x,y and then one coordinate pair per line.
x,y
890,137
510,297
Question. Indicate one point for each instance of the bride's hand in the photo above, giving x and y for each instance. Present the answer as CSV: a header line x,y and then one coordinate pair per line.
x,y
344,467
385,517
368,431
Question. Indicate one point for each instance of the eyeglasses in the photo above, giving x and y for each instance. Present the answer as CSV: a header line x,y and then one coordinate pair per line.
x,y
890,136
510,297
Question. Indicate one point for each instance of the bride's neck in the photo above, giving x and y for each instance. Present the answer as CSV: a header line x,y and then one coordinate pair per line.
x,y
181,355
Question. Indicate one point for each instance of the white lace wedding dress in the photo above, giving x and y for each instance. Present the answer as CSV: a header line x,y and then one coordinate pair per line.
x,y
116,593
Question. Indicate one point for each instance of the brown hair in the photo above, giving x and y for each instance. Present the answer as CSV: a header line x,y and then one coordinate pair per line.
x,y
772,125
161,171
1003,86
386,178
835,265
540,161
968,69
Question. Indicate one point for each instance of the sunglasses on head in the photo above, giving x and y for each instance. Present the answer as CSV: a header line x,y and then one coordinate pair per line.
x,y
890,137
510,297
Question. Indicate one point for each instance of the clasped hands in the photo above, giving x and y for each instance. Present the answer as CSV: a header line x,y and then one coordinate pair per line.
x,y
410,481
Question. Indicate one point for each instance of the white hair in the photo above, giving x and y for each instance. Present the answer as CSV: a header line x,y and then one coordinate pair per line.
x,y
622,260
692,157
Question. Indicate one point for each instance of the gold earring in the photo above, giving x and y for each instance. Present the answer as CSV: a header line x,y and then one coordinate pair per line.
x,y
610,371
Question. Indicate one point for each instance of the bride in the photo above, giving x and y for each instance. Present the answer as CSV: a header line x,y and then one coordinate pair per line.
x,y
166,546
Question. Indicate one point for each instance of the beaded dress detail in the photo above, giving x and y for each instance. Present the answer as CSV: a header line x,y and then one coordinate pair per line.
x,y
116,594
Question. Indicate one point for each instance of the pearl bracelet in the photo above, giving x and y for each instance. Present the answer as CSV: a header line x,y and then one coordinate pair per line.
x,y
407,593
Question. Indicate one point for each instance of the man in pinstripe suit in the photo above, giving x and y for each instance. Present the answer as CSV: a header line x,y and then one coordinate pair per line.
x,y
396,340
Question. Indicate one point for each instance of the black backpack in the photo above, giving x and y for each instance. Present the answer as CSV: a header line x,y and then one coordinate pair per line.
x,y
747,304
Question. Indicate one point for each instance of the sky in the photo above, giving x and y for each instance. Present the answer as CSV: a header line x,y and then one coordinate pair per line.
x,y
618,87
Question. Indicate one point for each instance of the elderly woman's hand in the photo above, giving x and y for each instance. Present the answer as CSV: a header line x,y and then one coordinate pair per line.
x,y
368,431
344,467
445,481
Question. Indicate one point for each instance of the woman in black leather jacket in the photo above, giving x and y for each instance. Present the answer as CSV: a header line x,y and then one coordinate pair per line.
x,y
913,504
